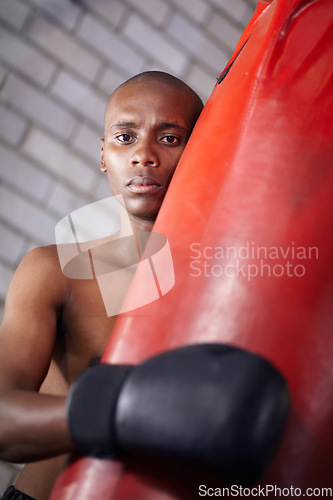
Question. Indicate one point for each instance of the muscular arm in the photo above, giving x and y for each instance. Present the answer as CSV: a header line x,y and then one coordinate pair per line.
x,y
32,425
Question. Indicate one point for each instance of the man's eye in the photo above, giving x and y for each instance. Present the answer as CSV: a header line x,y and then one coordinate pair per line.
x,y
170,139
124,137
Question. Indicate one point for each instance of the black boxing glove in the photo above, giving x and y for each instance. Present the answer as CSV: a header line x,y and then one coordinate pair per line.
x,y
214,405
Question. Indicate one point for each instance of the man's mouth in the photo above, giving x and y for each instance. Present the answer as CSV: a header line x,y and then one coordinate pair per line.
x,y
144,185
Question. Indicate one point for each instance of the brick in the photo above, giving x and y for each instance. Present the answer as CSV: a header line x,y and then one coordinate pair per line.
x,y
102,190
28,218
37,107
112,10
224,31
155,10
196,9
80,97
12,245
154,66
110,45
64,48
252,4
236,9
31,246
14,13
22,175
87,143
63,201
155,44
3,72
248,12
198,45
59,160
20,55
202,81
63,11
6,274
12,127
111,79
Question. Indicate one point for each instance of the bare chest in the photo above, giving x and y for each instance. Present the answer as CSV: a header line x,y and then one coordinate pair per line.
x,y
83,329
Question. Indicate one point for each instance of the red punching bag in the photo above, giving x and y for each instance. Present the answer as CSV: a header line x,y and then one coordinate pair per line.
x,y
249,221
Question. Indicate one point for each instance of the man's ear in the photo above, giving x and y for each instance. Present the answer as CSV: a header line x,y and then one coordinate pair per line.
x,y
103,167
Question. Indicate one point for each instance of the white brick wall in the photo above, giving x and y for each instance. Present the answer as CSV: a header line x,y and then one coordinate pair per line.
x,y
148,38
224,30
64,48
58,160
199,45
5,279
3,72
64,12
37,106
59,61
86,141
23,176
26,217
12,126
111,11
12,245
240,11
110,45
111,79
81,97
197,10
201,80
13,13
24,58
63,199
102,188
155,10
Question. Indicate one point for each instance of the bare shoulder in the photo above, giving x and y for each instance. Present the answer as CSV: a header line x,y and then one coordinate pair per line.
x,y
41,265
38,286
42,258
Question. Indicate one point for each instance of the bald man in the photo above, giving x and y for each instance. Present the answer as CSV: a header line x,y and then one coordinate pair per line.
x,y
53,325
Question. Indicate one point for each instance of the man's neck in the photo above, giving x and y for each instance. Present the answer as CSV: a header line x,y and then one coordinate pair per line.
x,y
141,225
131,224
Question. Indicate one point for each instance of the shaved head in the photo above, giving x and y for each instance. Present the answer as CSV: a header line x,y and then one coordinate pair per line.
x,y
158,78
162,77
148,121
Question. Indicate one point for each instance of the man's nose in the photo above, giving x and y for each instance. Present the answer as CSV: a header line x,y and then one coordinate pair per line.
x,y
145,155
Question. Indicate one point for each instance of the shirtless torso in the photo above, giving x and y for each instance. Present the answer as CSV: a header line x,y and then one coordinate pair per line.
x,y
54,325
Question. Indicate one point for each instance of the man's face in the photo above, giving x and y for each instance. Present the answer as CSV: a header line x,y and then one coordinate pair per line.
x,y
147,127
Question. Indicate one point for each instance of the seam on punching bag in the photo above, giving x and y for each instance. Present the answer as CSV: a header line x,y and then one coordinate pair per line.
x,y
227,69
